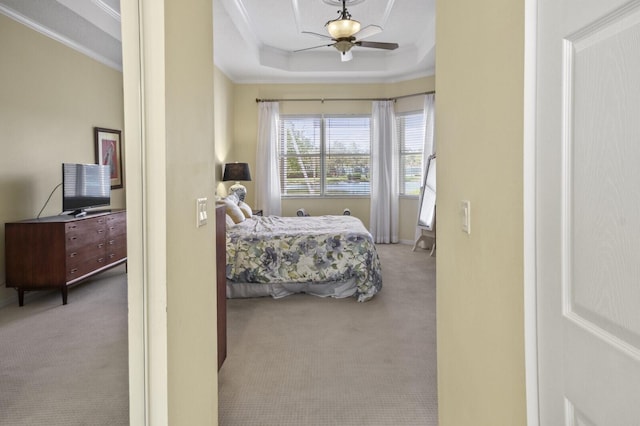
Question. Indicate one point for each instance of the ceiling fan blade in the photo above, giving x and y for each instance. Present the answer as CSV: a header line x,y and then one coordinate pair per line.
x,y
346,56
317,34
377,45
314,47
368,31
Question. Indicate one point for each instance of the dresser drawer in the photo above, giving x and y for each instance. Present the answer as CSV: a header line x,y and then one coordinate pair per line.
x,y
117,224
86,224
86,255
118,242
77,270
85,233
117,248
116,255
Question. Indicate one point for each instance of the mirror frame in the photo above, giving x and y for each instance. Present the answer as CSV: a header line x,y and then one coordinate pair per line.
x,y
428,204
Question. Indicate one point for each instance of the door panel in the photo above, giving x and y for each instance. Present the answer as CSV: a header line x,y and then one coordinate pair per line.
x,y
587,211
602,192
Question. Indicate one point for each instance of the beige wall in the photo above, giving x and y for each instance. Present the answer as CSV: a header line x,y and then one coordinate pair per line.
x,y
479,127
169,102
190,268
224,90
51,97
246,129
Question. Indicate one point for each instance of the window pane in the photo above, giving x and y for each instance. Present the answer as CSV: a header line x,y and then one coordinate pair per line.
x,y
347,157
348,135
411,143
337,165
300,147
413,133
347,175
300,175
300,135
411,170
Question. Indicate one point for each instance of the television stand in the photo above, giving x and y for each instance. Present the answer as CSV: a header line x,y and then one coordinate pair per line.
x,y
58,251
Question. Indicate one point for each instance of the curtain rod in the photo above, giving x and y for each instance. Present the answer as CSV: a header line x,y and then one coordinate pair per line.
x,y
343,99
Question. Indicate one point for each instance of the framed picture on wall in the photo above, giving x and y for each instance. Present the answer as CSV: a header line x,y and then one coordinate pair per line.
x,y
109,152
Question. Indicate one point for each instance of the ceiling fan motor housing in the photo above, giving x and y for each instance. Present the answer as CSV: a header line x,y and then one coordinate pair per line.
x,y
344,45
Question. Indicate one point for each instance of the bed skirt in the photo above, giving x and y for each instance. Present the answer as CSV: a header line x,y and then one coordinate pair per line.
x,y
338,290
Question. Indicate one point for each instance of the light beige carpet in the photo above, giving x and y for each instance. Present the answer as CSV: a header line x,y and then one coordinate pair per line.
x,y
67,364
297,361
305,361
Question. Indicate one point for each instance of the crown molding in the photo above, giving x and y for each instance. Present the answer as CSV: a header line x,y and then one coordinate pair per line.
x,y
237,11
108,9
387,12
58,37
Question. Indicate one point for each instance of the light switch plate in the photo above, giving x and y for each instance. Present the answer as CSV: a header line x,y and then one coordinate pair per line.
x,y
201,212
465,214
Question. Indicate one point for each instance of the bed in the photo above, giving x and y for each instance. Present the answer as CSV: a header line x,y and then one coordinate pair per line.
x,y
327,256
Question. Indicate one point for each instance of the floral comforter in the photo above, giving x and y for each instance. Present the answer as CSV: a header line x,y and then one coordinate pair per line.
x,y
319,249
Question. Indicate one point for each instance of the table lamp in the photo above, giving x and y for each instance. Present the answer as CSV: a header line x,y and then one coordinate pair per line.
x,y
237,172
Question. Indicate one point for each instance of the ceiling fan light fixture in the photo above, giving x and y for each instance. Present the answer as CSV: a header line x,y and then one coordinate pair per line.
x,y
346,33
342,28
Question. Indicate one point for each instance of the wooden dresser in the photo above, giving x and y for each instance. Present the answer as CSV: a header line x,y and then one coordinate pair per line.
x,y
221,282
57,251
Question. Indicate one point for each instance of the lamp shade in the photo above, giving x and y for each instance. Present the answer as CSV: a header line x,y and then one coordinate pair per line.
x,y
236,172
342,28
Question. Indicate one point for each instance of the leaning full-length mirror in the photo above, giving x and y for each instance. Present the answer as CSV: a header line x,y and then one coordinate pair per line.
x,y
427,207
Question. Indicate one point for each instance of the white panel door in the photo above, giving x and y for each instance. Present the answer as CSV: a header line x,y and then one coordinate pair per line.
x,y
588,211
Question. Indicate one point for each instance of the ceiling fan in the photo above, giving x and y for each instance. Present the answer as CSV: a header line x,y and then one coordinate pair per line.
x,y
346,33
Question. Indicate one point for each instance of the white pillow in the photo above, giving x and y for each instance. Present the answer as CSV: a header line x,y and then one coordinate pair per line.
x,y
229,221
233,210
246,209
233,198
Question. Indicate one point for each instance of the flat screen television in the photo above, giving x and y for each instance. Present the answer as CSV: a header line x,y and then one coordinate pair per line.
x,y
85,186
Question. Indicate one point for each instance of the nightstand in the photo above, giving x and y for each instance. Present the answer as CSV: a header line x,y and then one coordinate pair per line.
x,y
257,212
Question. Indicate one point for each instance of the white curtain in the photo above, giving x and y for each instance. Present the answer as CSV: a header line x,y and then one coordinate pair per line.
x,y
384,174
267,171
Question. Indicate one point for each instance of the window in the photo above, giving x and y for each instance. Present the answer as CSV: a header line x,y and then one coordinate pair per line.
x,y
411,144
325,155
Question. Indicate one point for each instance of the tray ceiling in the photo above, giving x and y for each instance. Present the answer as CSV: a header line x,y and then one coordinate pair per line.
x,y
254,40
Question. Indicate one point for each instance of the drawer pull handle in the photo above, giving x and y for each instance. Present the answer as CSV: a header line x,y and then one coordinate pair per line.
x,y
100,245
101,260
111,242
74,254
73,238
100,231
74,270
111,256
